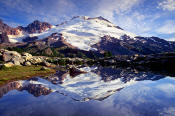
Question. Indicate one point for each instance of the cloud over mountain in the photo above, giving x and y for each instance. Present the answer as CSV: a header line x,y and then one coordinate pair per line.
x,y
142,17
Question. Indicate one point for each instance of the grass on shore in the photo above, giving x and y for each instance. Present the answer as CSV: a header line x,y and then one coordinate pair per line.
x,y
22,72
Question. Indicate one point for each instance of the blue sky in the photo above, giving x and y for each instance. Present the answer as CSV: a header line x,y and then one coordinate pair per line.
x,y
142,17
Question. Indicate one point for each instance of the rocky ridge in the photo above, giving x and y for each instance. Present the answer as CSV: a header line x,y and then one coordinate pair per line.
x,y
34,27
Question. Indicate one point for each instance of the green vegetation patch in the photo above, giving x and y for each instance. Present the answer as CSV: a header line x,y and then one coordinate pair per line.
x,y
22,72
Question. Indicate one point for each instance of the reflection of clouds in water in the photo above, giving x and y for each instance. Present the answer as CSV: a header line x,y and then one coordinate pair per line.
x,y
168,111
29,105
142,98
130,93
167,88
139,98
170,78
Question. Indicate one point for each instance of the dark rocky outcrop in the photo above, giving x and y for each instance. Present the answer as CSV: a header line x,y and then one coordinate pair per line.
x,y
4,28
115,46
30,39
36,27
161,62
4,38
74,72
130,46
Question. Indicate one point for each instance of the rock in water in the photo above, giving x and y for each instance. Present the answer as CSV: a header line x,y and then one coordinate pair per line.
x,y
74,71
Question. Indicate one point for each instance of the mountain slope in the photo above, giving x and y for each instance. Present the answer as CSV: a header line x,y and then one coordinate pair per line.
x,y
91,34
129,46
83,32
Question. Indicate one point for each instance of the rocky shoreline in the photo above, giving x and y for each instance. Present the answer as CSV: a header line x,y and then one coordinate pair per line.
x,y
13,58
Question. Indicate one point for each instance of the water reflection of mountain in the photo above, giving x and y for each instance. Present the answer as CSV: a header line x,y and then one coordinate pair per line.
x,y
125,74
34,89
8,87
99,83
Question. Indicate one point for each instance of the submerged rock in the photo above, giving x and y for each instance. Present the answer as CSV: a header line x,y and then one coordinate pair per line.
x,y
37,89
74,71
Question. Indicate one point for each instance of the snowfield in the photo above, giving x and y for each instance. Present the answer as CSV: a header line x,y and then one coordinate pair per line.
x,y
81,32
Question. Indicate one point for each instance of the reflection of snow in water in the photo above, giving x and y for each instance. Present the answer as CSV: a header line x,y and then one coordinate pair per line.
x,y
145,98
85,86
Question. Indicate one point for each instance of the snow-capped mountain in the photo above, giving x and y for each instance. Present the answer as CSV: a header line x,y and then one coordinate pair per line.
x,y
81,32
91,34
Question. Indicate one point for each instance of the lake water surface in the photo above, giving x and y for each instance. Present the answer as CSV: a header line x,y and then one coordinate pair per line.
x,y
102,91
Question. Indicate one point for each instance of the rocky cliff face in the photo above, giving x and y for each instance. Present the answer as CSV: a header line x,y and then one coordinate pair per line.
x,y
4,38
4,28
139,45
36,27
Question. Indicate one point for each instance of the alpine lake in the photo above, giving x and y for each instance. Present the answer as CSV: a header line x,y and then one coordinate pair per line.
x,y
101,91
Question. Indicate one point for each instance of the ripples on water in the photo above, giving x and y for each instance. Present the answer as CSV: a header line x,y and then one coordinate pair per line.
x,y
103,91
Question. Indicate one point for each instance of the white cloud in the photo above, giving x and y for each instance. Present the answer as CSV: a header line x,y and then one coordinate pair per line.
x,y
167,5
167,89
121,13
169,111
53,11
107,8
171,39
167,28
130,15
138,23
12,24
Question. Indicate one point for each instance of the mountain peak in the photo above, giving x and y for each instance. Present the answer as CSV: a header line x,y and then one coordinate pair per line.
x,y
89,18
102,18
80,17
37,27
36,21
